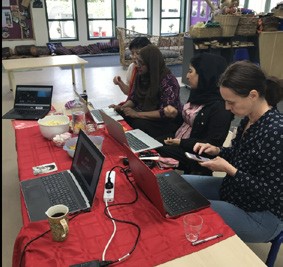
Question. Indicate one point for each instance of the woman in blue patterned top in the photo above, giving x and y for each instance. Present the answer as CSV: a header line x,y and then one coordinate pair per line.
x,y
250,197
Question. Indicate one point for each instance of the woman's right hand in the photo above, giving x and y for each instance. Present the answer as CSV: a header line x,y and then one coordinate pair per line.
x,y
116,107
116,80
207,148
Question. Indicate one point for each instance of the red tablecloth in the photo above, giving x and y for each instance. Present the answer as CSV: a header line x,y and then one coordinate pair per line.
x,y
161,239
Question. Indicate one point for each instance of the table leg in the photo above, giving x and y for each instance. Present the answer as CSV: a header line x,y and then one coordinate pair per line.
x,y
83,77
73,74
11,81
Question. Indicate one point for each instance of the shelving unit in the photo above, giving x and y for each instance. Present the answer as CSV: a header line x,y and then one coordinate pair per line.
x,y
271,54
231,48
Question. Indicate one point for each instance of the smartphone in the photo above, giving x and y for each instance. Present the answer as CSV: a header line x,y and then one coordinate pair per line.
x,y
196,157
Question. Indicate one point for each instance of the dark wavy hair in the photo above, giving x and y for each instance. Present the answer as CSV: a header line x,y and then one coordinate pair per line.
x,y
243,76
139,42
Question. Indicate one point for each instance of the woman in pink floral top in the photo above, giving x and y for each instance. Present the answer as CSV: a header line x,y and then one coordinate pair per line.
x,y
205,118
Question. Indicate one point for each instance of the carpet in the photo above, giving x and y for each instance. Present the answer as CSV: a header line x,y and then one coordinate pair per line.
x,y
111,60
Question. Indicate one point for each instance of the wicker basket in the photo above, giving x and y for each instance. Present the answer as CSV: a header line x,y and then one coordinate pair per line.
x,y
205,32
247,26
228,24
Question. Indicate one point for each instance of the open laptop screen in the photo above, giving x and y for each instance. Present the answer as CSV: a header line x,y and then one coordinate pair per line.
x,y
87,164
32,96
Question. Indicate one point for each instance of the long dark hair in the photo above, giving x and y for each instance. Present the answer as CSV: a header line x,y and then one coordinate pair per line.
x,y
147,86
243,76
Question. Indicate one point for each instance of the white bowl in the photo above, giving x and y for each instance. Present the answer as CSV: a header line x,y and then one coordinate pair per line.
x,y
54,124
70,144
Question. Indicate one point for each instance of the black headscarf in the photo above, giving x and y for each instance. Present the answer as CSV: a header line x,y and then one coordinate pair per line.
x,y
209,67
147,86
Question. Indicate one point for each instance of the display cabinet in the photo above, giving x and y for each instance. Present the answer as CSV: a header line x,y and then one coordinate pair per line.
x,y
232,48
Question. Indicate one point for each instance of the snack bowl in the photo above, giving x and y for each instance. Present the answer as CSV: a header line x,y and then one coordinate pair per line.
x,y
70,145
52,125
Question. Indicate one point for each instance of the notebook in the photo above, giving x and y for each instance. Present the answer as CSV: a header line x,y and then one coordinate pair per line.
x,y
136,139
167,191
32,102
80,181
95,113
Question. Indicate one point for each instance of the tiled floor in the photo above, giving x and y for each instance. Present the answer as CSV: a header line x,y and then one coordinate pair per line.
x,y
100,87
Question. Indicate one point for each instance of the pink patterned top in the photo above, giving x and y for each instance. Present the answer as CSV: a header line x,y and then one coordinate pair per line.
x,y
189,113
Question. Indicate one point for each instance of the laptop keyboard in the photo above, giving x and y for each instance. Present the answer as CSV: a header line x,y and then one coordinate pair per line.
x,y
134,142
175,203
30,111
58,190
97,115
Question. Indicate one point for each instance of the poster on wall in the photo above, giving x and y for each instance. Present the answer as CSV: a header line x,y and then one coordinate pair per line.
x,y
16,20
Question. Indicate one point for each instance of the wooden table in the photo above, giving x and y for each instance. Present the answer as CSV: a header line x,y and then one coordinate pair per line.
x,y
11,65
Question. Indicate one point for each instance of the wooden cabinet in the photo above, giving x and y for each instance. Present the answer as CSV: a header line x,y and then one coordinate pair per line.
x,y
232,48
271,53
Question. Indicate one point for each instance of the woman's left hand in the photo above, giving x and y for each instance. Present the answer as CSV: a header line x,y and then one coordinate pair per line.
x,y
129,112
172,141
220,165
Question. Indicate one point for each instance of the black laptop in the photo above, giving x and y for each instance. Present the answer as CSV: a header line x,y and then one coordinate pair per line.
x,y
167,191
32,102
74,188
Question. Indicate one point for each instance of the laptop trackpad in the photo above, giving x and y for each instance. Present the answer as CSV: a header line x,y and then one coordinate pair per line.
x,y
36,204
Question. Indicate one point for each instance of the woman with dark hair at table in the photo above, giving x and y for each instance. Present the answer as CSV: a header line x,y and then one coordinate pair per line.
x,y
204,116
135,46
249,198
155,87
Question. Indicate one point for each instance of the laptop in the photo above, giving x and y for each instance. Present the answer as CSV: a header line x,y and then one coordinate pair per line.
x,y
136,139
32,102
167,191
79,183
95,113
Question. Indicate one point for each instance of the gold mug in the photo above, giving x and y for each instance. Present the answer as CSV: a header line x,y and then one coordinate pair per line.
x,y
58,221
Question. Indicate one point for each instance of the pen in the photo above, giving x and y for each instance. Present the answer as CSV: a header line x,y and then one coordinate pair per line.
x,y
206,239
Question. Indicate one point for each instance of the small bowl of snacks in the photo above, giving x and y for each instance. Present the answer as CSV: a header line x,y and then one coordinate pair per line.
x,y
52,125
70,145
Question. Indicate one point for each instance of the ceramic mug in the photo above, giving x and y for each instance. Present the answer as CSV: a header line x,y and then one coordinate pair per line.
x,y
58,221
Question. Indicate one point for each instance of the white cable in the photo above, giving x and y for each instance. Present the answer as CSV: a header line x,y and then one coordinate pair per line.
x,y
113,234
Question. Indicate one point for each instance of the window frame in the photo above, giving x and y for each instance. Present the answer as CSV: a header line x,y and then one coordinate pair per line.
x,y
113,19
148,18
181,18
74,19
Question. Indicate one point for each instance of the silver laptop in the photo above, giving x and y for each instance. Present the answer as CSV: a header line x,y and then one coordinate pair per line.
x,y
136,139
95,113
74,188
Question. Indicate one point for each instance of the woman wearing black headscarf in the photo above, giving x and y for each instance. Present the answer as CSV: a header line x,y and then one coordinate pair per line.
x,y
205,118
155,87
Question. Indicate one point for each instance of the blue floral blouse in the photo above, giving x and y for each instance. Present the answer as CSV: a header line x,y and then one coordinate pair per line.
x,y
258,156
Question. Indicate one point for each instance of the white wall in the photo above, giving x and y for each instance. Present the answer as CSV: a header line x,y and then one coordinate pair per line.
x,y
41,32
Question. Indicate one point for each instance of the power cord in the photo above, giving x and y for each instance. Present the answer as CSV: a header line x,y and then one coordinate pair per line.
x,y
109,215
34,239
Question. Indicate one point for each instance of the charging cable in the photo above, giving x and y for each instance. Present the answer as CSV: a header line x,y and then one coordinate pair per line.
x,y
109,215
114,231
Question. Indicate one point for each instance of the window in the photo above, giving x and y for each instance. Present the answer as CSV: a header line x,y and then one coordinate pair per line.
x,y
100,18
172,18
137,15
61,19
259,6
